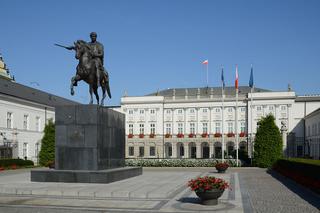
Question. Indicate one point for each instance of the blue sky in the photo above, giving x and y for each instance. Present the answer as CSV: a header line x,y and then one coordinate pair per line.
x,y
160,44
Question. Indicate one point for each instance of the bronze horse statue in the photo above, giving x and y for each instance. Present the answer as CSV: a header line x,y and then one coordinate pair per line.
x,y
87,71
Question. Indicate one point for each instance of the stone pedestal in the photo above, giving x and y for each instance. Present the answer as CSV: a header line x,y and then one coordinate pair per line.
x,y
90,140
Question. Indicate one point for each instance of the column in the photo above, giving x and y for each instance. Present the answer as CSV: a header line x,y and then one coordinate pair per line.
x,y
198,154
186,150
174,149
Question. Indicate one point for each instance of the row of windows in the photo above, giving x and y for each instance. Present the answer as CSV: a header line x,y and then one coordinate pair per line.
x,y
26,122
315,129
25,149
168,128
205,110
152,151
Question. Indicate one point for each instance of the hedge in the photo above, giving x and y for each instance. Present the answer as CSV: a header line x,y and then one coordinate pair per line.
x,y
178,162
303,171
6,163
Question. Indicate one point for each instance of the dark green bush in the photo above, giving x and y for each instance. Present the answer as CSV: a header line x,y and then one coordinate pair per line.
x,y
268,143
18,162
47,144
303,171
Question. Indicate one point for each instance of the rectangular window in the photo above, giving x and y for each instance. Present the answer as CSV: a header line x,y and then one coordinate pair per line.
x,y
180,128
179,111
243,127
230,127
131,151
168,128
141,111
192,128
25,121
152,128
271,108
229,109
9,120
218,127
130,112
205,110
218,110
204,127
38,128
259,108
168,111
25,150
130,128
152,151
152,111
36,150
141,128
283,108
191,111
242,109
141,151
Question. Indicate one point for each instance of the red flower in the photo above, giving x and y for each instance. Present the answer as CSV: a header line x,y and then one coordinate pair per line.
x,y
230,134
191,135
167,135
204,135
152,135
130,136
207,183
180,135
242,134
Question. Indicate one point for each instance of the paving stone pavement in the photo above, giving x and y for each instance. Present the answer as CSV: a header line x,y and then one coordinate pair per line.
x,y
157,190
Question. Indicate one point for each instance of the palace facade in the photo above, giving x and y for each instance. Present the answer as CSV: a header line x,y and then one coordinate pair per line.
x,y
195,123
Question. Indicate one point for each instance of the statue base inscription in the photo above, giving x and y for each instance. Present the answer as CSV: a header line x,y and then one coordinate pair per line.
x,y
90,146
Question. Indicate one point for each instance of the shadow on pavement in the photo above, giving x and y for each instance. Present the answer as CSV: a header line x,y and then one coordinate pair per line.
x,y
301,191
190,200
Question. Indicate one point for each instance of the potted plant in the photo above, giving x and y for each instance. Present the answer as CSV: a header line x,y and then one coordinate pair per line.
x,y
222,167
167,135
152,135
141,135
217,135
130,136
208,188
204,135
191,135
242,134
180,135
230,134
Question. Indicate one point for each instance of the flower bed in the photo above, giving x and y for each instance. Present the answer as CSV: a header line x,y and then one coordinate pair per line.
x,y
141,135
168,136
191,135
204,135
152,135
230,134
242,134
303,171
14,163
178,162
130,136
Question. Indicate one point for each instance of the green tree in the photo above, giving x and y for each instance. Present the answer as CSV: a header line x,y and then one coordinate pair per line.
x,y
268,143
47,144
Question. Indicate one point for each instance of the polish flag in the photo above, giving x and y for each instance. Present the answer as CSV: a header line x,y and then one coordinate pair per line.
x,y
205,62
237,78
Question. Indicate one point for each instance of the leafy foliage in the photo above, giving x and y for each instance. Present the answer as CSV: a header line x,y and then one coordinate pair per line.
x,y
48,144
18,162
268,143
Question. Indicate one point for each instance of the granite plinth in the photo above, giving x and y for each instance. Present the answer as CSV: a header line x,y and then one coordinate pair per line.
x,y
85,176
89,137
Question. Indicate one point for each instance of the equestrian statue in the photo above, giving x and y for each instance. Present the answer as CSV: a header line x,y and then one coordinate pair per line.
x,y
90,67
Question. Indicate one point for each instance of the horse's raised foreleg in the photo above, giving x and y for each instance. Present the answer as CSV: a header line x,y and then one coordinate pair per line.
x,y
90,91
74,81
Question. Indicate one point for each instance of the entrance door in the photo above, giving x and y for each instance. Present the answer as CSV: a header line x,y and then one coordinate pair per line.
x,y
193,152
205,152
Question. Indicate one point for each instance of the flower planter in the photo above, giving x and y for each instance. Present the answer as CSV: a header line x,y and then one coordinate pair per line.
x,y
221,167
210,197
220,170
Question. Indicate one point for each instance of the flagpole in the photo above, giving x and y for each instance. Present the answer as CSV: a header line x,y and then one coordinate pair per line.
x,y
251,114
222,142
207,74
236,126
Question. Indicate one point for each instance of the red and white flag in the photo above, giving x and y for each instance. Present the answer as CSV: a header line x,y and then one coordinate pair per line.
x,y
237,78
205,62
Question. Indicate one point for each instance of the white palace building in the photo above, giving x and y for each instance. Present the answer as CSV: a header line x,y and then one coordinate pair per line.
x,y
187,122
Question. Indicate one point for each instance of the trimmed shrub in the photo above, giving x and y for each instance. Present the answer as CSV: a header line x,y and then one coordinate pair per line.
x,y
7,163
303,171
178,162
268,143
47,144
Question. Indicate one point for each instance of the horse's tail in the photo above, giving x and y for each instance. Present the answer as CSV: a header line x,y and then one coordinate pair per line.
x,y
108,89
